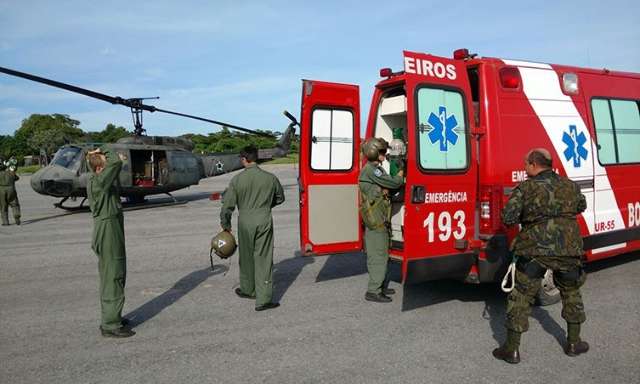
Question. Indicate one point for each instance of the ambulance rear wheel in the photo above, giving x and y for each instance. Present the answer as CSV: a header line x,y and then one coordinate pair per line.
x,y
548,293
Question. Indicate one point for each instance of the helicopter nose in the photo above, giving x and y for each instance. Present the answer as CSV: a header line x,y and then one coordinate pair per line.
x,y
53,181
35,180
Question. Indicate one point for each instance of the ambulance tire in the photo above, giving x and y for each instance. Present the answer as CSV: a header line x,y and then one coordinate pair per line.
x,y
548,294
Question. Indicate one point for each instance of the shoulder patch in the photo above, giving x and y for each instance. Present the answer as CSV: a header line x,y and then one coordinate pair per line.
x,y
378,172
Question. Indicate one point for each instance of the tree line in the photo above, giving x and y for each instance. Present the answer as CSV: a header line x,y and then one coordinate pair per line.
x,y
44,134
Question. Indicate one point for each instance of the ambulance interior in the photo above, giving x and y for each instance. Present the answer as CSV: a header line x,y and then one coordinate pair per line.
x,y
148,168
391,123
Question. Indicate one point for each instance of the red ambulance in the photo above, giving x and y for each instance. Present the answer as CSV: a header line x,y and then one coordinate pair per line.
x,y
463,127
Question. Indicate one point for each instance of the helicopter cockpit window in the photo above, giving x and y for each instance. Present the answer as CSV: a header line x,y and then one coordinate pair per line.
x,y
67,157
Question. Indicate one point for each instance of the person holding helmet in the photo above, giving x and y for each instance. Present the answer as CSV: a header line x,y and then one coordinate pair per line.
x,y
375,210
8,195
255,192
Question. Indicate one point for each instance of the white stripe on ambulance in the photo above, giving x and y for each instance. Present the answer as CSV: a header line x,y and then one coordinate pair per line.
x,y
556,112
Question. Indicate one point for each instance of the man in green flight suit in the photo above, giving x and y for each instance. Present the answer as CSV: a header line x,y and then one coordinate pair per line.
x,y
546,206
375,210
103,191
8,195
255,192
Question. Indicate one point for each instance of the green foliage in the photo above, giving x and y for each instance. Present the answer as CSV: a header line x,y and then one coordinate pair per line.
x,y
229,141
8,146
47,132
50,132
110,134
27,170
291,158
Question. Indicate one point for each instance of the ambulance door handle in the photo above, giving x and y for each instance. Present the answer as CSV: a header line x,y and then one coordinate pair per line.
x,y
418,193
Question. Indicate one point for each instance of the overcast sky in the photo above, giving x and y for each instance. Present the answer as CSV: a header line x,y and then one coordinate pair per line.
x,y
242,62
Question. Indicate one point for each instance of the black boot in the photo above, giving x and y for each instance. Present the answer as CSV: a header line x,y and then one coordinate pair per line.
x,y
510,356
377,297
509,350
577,348
117,333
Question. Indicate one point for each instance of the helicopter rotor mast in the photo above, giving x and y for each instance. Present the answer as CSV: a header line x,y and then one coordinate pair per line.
x,y
136,104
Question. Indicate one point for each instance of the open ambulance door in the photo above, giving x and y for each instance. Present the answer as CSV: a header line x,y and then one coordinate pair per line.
x,y
329,168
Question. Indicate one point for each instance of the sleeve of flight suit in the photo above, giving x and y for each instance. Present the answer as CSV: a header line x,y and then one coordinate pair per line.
x,y
111,169
385,180
279,196
15,177
513,209
229,201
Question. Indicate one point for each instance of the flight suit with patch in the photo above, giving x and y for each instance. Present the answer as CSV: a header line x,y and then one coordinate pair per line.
x,y
375,210
103,191
255,192
8,196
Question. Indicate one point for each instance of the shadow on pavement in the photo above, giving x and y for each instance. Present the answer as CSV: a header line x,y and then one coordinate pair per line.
x,y
335,267
343,265
183,286
286,272
436,292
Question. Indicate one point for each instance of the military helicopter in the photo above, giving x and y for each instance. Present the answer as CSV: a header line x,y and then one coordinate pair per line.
x,y
153,165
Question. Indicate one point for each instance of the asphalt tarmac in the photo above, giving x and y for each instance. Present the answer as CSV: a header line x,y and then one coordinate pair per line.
x,y
192,328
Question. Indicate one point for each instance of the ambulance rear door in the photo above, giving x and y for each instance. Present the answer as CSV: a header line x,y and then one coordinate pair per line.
x,y
442,179
329,168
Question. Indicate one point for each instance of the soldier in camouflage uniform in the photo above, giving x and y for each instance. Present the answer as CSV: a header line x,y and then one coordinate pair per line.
x,y
375,210
546,206
255,192
8,195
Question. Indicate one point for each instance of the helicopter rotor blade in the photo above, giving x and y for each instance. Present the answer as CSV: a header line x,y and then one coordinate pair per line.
x,y
135,103
247,130
82,91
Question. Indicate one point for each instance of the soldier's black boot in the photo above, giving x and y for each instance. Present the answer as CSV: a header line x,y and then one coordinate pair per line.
x,y
239,292
575,346
509,350
266,306
377,297
117,333
511,357
17,221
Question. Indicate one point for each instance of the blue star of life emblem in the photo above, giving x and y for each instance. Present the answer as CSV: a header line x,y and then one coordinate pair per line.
x,y
443,128
575,146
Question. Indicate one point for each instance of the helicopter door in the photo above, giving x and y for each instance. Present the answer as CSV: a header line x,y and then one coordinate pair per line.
x,y
142,169
329,168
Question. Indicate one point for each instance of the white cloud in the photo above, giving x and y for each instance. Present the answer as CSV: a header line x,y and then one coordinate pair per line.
x,y
107,51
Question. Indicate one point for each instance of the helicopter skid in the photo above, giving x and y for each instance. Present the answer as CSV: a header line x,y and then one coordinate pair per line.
x,y
67,208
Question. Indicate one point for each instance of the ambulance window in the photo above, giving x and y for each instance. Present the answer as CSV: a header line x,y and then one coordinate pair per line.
x,y
617,124
331,140
604,131
441,129
627,122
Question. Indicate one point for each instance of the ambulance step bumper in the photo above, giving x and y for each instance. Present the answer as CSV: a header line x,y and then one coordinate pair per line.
x,y
454,266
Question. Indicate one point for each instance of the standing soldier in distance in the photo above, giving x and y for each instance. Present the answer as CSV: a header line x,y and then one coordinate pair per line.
x,y
255,192
8,195
375,210
108,238
546,206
